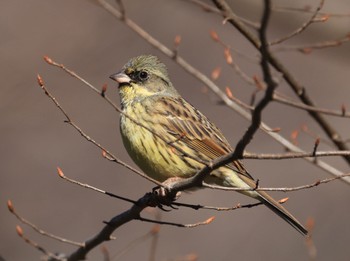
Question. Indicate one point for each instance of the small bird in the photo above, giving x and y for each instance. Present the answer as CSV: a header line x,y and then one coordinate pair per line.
x,y
169,138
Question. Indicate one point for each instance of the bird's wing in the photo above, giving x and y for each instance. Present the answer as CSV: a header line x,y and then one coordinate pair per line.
x,y
188,125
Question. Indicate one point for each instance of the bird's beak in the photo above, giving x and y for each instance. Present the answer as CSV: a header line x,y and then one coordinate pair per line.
x,y
120,78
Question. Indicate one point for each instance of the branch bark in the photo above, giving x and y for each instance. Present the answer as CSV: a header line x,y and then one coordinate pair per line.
x,y
298,88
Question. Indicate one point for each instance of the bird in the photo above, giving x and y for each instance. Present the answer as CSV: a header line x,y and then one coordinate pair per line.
x,y
168,138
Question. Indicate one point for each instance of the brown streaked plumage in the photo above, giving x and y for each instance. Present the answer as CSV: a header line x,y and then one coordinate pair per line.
x,y
148,97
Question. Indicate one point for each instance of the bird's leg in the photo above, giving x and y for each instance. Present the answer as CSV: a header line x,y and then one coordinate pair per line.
x,y
165,194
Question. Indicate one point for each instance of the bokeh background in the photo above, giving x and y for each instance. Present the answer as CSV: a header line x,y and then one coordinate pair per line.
x,y
87,39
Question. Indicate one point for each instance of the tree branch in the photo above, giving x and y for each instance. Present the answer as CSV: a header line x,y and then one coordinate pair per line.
x,y
211,85
298,89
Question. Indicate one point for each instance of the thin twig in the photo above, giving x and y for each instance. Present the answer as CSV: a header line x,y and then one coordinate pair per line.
x,y
197,206
104,96
312,185
52,256
212,86
214,35
308,48
208,8
302,27
305,129
148,200
205,222
131,245
256,116
271,85
293,83
88,138
155,239
84,185
236,68
303,106
294,155
307,10
113,224
11,208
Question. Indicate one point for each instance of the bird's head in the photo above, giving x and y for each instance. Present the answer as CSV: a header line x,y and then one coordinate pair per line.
x,y
141,77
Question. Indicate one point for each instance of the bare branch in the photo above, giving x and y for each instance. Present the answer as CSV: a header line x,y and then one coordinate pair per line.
x,y
197,206
339,113
297,88
308,48
88,138
11,208
205,222
308,10
133,244
84,185
312,185
113,224
271,85
75,75
205,80
303,27
291,155
52,256
209,8
288,77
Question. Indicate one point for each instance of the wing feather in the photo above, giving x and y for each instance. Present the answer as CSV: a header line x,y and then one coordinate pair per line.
x,y
187,124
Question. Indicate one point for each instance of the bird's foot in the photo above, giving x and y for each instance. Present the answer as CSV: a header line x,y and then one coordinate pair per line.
x,y
165,194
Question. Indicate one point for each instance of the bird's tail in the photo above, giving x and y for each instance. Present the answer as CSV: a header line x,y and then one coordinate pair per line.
x,y
282,212
275,206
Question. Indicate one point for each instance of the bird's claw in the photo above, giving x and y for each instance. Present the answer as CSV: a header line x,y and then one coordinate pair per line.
x,y
165,197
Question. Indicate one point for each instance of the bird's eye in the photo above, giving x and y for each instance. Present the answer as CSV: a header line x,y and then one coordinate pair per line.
x,y
143,75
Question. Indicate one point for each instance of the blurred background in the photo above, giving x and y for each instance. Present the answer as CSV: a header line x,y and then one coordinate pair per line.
x,y
87,39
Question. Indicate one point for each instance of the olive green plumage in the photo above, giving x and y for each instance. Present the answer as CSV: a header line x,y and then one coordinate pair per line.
x,y
170,129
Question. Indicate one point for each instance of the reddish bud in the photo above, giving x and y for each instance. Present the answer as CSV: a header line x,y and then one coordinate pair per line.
x,y
317,141
155,229
209,220
214,35
48,59
307,50
305,128
324,18
191,257
294,135
276,129
10,206
104,154
40,80
215,74
310,223
258,82
228,56
228,92
343,109
283,200
19,231
104,89
104,250
177,40
60,172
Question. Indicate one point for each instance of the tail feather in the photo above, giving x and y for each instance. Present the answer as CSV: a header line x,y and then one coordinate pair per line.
x,y
275,206
282,212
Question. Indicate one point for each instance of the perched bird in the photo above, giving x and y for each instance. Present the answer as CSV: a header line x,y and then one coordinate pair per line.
x,y
173,138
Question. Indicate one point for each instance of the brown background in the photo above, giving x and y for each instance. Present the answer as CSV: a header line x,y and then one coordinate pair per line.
x,y
87,39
